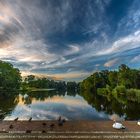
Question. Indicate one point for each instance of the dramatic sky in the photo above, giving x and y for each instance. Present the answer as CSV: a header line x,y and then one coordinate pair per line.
x,y
69,39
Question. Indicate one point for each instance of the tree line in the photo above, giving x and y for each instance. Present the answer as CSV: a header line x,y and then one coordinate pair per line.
x,y
121,82
10,79
32,81
124,83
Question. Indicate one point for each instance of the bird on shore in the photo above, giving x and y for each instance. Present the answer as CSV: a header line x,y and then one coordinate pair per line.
x,y
16,119
59,118
28,131
118,125
30,119
11,126
51,126
44,124
61,121
43,131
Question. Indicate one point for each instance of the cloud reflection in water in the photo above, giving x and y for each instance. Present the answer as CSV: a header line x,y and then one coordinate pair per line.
x,y
69,107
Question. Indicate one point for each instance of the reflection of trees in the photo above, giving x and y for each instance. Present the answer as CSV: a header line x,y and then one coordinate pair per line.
x,y
118,91
111,105
7,104
133,110
42,95
71,93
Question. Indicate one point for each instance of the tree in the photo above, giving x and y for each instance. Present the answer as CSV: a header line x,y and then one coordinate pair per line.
x,y
124,76
71,86
123,68
129,78
30,78
10,78
113,79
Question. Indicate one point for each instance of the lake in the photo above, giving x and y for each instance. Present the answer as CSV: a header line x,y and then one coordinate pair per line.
x,y
49,105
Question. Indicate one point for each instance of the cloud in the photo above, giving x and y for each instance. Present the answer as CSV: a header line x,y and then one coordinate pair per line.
x,y
72,75
125,43
135,59
131,22
22,33
111,63
67,39
73,49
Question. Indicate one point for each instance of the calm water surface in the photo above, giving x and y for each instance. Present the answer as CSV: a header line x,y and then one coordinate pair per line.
x,y
52,104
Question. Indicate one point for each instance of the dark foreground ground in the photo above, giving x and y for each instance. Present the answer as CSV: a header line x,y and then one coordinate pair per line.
x,y
98,130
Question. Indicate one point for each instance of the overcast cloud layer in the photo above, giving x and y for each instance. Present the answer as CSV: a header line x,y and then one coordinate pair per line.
x,y
69,39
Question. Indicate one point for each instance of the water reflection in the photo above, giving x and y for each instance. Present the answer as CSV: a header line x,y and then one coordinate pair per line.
x,y
124,108
51,104
7,104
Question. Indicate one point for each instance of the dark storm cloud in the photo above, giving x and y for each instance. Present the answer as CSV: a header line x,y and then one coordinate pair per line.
x,y
69,38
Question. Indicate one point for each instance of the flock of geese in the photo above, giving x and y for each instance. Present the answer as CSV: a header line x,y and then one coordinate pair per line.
x,y
60,121
116,124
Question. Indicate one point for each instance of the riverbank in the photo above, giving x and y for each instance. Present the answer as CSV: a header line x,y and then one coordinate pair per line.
x,y
70,129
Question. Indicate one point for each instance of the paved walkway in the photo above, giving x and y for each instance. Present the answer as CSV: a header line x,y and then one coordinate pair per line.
x,y
100,130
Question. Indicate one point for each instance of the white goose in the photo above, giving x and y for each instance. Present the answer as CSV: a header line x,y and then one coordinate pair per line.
x,y
118,125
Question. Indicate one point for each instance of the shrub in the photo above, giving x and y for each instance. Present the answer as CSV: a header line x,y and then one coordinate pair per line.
x,y
133,95
119,91
102,91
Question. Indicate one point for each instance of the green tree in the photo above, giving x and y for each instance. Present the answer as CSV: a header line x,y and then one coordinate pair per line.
x,y
124,76
72,86
113,79
10,78
30,78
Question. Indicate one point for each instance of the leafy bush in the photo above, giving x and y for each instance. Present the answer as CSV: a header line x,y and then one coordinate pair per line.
x,y
102,91
119,90
133,95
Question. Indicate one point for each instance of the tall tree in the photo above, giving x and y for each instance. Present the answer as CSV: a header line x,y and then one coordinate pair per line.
x,y
10,78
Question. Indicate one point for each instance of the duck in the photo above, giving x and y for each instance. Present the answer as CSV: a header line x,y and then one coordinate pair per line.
x,y
44,124
51,126
60,123
59,118
118,125
11,126
28,131
16,119
64,120
43,131
30,119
